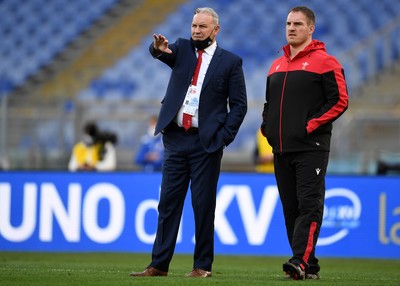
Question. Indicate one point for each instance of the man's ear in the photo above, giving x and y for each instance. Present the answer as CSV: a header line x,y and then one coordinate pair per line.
x,y
311,29
216,30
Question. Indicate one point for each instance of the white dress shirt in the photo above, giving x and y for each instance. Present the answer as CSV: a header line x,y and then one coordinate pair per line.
x,y
206,59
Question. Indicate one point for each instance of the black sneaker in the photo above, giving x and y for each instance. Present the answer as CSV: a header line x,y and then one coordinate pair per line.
x,y
314,276
313,272
294,271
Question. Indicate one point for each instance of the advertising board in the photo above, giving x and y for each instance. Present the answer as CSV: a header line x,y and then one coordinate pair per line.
x,y
45,211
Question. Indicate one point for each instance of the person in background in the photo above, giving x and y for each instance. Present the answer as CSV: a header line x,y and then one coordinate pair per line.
x,y
306,91
95,152
263,156
108,157
151,151
202,110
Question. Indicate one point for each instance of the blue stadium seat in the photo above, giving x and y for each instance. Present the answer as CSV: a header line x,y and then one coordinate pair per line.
x,y
33,33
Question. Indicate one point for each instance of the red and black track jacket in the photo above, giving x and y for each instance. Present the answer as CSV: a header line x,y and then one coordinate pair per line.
x,y
304,95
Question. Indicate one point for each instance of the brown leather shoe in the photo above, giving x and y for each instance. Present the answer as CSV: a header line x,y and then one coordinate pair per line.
x,y
199,273
149,271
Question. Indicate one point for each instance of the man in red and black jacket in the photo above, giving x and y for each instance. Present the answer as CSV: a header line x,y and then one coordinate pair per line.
x,y
306,91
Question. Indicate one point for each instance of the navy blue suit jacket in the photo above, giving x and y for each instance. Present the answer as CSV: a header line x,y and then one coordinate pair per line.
x,y
223,99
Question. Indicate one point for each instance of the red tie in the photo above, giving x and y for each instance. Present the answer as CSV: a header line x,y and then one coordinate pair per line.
x,y
187,118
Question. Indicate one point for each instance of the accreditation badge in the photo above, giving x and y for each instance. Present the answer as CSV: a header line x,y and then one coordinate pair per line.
x,y
191,103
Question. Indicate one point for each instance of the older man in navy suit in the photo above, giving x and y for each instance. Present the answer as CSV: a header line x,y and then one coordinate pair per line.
x,y
202,110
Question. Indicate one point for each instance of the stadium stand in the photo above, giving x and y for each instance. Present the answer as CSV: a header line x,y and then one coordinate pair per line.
x,y
113,79
33,33
260,25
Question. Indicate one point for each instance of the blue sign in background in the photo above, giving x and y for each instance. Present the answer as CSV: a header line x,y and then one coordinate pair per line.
x,y
45,211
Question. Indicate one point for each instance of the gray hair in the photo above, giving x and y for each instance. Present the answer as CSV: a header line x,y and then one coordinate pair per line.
x,y
210,11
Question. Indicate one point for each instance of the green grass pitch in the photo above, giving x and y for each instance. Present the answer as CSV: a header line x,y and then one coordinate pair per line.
x,y
34,268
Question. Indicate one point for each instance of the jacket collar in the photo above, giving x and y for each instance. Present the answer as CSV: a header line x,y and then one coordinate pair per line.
x,y
313,46
213,65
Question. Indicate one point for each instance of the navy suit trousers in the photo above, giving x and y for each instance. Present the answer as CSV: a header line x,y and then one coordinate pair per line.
x,y
186,163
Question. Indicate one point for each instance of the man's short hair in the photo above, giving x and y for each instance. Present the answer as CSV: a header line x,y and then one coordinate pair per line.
x,y
91,129
307,12
210,11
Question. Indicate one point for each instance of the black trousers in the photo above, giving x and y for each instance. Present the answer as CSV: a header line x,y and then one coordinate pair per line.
x,y
301,182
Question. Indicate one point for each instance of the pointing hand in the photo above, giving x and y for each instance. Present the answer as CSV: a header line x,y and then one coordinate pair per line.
x,y
161,43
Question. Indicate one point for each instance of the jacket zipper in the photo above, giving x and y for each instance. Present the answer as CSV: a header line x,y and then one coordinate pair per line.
x,y
280,114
